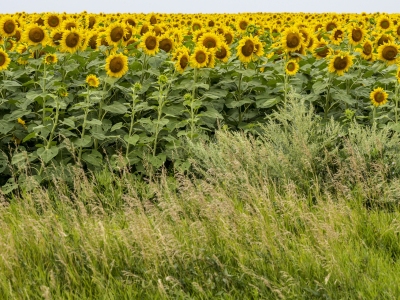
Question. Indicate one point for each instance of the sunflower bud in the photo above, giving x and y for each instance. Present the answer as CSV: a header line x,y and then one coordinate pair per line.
x,y
187,97
137,87
162,79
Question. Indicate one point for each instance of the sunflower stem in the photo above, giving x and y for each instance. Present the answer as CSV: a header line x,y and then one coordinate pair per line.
x,y
84,122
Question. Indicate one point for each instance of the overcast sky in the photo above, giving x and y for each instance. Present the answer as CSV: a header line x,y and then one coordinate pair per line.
x,y
200,6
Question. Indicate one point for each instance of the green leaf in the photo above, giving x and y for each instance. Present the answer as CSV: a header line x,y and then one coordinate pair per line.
x,y
29,136
69,122
94,122
10,83
267,102
9,186
116,126
95,158
82,142
47,154
3,161
19,157
116,108
158,161
6,126
132,139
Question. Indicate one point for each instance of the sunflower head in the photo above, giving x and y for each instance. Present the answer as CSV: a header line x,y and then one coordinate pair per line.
x,y
116,65
223,53
35,35
210,40
8,26
50,59
292,67
150,43
200,57
166,43
52,21
4,60
388,52
182,62
378,97
340,63
115,33
92,80
71,40
292,39
246,49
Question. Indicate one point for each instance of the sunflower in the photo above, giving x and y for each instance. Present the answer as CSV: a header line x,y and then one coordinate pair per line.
x,y
223,53
228,35
378,96
71,40
200,57
367,50
52,21
34,35
55,37
388,53
92,80
246,49
384,23
241,24
337,36
115,33
68,24
18,34
292,67
4,60
340,63
356,35
50,59
384,38
8,26
22,48
211,58
330,25
9,45
196,25
292,39
210,40
321,49
182,62
150,43
92,40
166,43
116,65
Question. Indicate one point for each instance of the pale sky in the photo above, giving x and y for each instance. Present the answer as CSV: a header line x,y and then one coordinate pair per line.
x,y
199,6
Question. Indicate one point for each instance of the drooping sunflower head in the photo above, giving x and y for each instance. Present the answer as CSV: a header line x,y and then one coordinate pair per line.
x,y
200,57
196,25
182,62
292,39
116,65
210,40
382,39
292,67
8,26
340,63
321,49
229,35
150,43
367,50
4,60
388,52
50,59
92,80
71,40
337,36
35,34
378,97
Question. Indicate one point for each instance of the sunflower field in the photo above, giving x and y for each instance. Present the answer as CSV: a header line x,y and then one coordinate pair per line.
x,y
124,88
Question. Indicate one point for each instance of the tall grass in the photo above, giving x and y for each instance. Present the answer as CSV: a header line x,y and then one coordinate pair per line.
x,y
304,211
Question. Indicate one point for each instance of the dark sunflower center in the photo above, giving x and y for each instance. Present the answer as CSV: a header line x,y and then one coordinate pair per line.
x,y
9,26
92,21
383,39
293,40
92,42
209,42
131,22
116,34
56,38
323,52
128,35
9,44
183,62
70,25
201,57
2,59
385,24
196,27
356,35
389,52
340,63
228,38
151,43
17,36
330,26
221,53
398,30
166,45
379,97
144,29
367,49
50,59
40,22
243,25
153,20
338,34
211,23
53,21
248,48
72,40
116,64
291,67
36,35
